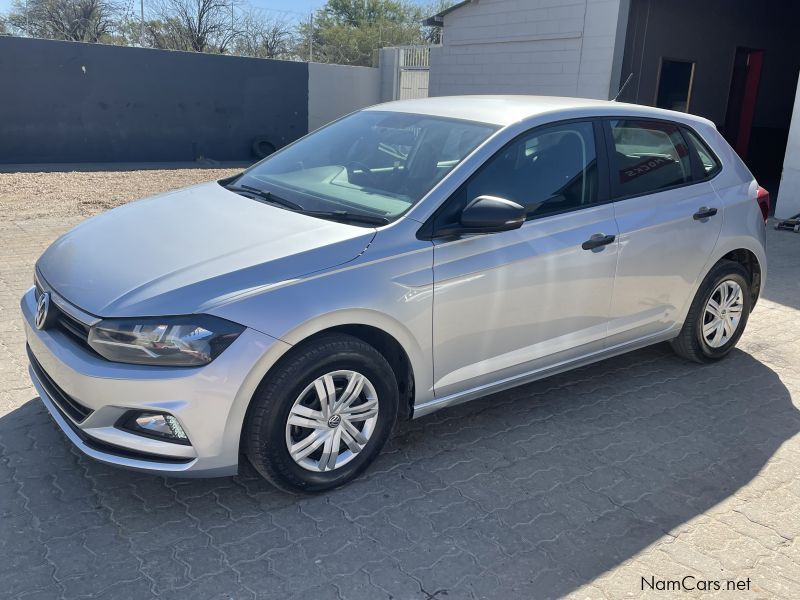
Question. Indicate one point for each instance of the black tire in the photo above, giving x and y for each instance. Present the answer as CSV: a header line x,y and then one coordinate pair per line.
x,y
265,427
690,343
262,147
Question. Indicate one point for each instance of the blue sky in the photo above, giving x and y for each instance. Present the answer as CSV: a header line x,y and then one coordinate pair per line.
x,y
291,9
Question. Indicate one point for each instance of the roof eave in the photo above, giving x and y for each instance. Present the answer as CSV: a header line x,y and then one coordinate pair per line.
x,y
437,20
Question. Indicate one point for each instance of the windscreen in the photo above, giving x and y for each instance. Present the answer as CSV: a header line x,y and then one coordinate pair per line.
x,y
372,162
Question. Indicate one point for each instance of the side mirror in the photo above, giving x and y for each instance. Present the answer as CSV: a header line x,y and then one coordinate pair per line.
x,y
490,214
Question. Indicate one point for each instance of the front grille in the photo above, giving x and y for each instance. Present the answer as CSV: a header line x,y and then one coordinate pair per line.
x,y
65,403
76,330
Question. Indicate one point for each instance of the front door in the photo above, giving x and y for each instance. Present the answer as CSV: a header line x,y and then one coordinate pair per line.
x,y
508,304
669,219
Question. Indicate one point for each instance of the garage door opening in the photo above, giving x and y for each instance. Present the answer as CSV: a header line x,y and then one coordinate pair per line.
x,y
737,67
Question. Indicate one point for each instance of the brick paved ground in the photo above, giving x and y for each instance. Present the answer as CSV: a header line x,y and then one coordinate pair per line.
x,y
581,484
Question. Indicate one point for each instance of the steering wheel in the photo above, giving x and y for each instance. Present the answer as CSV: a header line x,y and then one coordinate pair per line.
x,y
364,170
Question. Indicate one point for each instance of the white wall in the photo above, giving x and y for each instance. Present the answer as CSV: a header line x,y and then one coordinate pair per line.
x,y
337,90
788,203
551,47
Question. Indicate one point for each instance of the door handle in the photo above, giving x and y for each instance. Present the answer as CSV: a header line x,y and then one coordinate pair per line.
x,y
704,213
597,240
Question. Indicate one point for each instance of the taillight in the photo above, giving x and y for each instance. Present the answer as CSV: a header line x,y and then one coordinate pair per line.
x,y
762,197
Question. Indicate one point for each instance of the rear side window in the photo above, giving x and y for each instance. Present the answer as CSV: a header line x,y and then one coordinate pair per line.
x,y
708,161
647,156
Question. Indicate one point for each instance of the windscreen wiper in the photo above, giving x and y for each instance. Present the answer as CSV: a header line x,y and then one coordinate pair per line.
x,y
334,215
265,195
345,216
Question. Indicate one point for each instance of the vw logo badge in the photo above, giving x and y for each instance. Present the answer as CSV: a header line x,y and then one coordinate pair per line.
x,y
42,308
334,421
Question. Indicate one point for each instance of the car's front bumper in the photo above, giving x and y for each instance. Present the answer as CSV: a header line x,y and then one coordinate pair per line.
x,y
210,402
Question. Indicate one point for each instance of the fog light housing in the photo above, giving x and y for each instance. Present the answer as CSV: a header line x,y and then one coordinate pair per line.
x,y
161,426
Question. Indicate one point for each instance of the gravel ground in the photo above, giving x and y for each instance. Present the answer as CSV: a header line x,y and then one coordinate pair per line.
x,y
37,195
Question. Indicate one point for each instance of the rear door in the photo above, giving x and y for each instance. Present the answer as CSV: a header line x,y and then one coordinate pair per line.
x,y
669,219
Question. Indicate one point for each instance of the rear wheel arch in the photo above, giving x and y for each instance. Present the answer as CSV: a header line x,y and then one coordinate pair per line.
x,y
750,262
692,341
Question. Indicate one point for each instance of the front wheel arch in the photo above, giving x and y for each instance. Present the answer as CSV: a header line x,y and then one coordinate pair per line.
x,y
383,342
391,349
395,355
261,438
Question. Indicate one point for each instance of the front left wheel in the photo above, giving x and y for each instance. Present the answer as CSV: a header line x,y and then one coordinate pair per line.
x,y
322,415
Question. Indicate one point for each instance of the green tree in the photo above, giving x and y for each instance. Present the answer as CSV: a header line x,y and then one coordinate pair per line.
x,y
350,31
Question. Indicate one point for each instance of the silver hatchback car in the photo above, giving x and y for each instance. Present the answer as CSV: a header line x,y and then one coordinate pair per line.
x,y
406,258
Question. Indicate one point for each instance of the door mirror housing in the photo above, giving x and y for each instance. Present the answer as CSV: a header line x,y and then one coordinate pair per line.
x,y
491,214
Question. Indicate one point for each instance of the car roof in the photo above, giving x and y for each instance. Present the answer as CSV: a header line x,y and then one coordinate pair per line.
x,y
506,110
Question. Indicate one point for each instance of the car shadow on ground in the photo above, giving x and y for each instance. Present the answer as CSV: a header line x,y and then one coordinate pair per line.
x,y
528,493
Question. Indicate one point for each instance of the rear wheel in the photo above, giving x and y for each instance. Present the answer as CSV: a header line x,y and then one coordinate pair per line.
x,y
323,415
718,314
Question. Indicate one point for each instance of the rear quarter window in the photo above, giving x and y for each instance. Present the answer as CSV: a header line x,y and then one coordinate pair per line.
x,y
709,162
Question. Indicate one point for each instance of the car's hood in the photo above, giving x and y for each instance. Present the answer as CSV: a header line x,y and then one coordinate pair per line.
x,y
181,252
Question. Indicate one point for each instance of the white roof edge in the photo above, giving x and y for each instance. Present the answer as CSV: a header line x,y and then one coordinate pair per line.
x,y
506,110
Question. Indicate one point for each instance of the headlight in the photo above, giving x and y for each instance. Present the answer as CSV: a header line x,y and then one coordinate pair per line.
x,y
188,341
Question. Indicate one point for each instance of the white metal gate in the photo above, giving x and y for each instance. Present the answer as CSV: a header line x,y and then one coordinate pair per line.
x,y
414,72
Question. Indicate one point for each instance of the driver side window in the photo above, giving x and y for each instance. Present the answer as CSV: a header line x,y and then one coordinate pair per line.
x,y
549,171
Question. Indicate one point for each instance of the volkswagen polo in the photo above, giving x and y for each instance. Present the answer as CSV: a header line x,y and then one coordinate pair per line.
x,y
403,259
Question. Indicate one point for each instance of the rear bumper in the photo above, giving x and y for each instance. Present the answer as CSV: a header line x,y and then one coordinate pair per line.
x,y
86,396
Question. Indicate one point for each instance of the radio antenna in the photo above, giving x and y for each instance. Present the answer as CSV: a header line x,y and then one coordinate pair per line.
x,y
622,89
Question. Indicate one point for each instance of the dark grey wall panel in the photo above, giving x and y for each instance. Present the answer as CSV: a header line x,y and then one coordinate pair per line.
x,y
708,33
73,102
